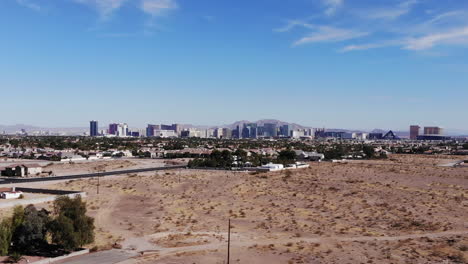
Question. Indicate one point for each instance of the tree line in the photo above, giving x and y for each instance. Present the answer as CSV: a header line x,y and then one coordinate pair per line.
x,y
240,158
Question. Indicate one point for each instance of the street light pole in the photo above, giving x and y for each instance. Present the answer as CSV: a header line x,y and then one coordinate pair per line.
x,y
229,240
98,182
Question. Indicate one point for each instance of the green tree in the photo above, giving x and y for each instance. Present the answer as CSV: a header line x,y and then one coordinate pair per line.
x,y
30,235
368,151
287,156
242,154
63,233
5,236
18,217
82,231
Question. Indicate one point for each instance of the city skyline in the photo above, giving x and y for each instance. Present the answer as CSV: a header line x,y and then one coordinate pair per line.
x,y
96,127
337,64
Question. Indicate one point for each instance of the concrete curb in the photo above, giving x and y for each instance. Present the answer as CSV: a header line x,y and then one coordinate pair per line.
x,y
53,260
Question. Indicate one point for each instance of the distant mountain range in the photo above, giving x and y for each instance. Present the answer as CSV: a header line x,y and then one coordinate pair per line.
x,y
9,129
29,128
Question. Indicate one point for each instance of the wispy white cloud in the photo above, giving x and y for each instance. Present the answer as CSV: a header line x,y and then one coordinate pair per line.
x,y
362,47
291,24
421,31
330,34
332,6
388,13
455,36
458,36
154,8
105,7
158,7
367,46
29,4
443,17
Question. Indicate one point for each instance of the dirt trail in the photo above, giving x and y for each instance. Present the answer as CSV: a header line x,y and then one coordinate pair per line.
x,y
143,244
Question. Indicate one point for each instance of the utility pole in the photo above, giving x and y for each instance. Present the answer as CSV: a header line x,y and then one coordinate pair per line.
x,y
229,240
98,176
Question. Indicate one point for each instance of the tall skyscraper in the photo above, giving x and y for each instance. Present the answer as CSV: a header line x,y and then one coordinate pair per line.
x,y
93,128
218,132
122,130
270,130
285,130
113,129
249,131
414,132
237,133
227,133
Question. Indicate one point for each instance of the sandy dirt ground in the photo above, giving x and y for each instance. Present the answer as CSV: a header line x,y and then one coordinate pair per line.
x,y
65,168
403,210
83,167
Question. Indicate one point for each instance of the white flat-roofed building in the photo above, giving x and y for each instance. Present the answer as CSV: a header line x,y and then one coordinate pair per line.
x,y
10,194
272,167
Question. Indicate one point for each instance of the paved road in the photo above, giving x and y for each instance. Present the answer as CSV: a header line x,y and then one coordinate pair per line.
x,y
87,175
104,257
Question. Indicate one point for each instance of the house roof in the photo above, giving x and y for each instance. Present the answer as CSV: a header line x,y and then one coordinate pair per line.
x,y
34,165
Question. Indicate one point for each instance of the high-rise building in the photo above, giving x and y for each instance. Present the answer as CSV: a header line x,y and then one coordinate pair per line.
x,y
174,127
270,130
93,128
122,130
227,133
310,132
285,130
166,127
414,132
151,128
249,131
433,131
113,128
177,128
320,133
237,133
218,132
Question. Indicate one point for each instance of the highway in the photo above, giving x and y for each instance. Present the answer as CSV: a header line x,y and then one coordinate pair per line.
x,y
87,175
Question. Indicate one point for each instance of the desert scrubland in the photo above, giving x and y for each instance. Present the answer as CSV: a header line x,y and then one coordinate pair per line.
x,y
403,210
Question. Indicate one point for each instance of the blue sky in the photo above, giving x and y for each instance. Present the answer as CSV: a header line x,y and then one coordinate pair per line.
x,y
325,63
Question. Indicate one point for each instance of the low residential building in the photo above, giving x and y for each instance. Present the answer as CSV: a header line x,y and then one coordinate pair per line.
x,y
313,156
21,170
10,193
